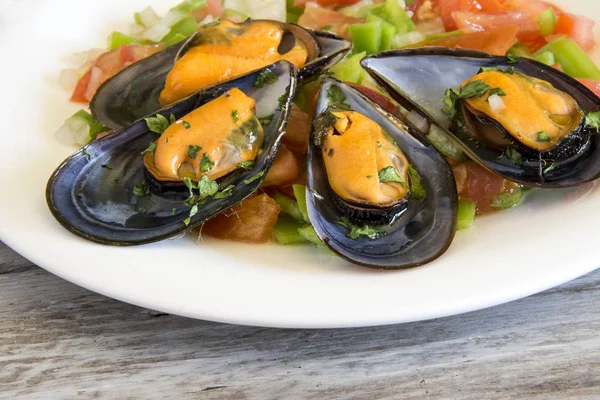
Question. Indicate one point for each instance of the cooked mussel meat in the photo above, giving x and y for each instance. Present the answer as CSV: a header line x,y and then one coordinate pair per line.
x,y
378,194
213,141
519,118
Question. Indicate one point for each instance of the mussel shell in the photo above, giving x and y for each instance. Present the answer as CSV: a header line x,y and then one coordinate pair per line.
x,y
418,79
418,234
91,193
133,93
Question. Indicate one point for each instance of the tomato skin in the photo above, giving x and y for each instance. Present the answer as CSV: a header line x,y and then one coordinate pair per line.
x,y
495,41
482,186
594,86
477,22
579,28
316,17
78,95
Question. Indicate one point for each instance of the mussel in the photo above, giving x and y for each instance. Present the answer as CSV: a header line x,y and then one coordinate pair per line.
x,y
212,55
516,117
378,194
134,186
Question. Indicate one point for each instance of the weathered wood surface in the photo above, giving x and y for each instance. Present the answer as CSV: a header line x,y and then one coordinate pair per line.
x,y
59,341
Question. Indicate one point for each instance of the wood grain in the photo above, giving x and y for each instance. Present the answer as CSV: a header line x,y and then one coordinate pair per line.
x,y
59,341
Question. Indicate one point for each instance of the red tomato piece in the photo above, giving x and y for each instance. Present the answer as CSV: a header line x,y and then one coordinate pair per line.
x,y
579,28
284,170
594,86
316,17
482,186
478,22
79,92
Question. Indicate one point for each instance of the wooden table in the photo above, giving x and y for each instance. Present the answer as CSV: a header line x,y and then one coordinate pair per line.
x,y
59,341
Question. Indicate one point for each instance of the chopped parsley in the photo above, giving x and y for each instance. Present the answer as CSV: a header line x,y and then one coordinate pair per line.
x,y
592,120
548,168
159,123
247,165
416,186
389,174
337,97
379,145
186,125
282,100
542,137
206,164
472,89
488,69
254,178
369,176
265,77
141,190
266,120
225,192
86,154
214,22
357,231
150,149
510,71
193,151
235,116
513,58
514,156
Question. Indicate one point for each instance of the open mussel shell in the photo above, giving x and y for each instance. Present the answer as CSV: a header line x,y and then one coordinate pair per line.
x,y
134,92
92,192
415,235
419,78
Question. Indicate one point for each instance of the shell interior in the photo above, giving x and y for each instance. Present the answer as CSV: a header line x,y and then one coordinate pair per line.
x,y
92,192
419,78
415,235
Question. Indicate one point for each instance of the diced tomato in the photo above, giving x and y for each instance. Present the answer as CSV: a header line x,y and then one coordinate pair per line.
x,y
284,170
298,131
316,17
579,28
447,8
79,92
251,221
106,66
478,22
215,8
486,6
480,185
594,86
495,41
533,7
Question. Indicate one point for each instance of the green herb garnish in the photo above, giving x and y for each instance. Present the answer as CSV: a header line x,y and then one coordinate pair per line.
x,y
225,192
206,164
86,154
266,120
472,89
389,174
159,123
416,186
496,91
150,149
186,125
542,137
235,116
282,100
592,120
265,77
513,58
514,156
337,97
247,165
357,231
141,190
193,151
379,145
254,178
488,69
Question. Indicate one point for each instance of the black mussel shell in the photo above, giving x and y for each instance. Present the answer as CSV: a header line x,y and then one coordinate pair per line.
x,y
133,93
416,233
419,78
92,192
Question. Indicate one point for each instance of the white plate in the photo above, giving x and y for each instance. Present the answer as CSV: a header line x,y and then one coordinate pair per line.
x,y
549,240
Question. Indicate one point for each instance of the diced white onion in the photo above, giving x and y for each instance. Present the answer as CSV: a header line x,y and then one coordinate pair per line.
x,y
85,57
354,10
207,20
68,78
149,17
432,26
75,131
259,9
136,30
418,121
496,103
406,39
